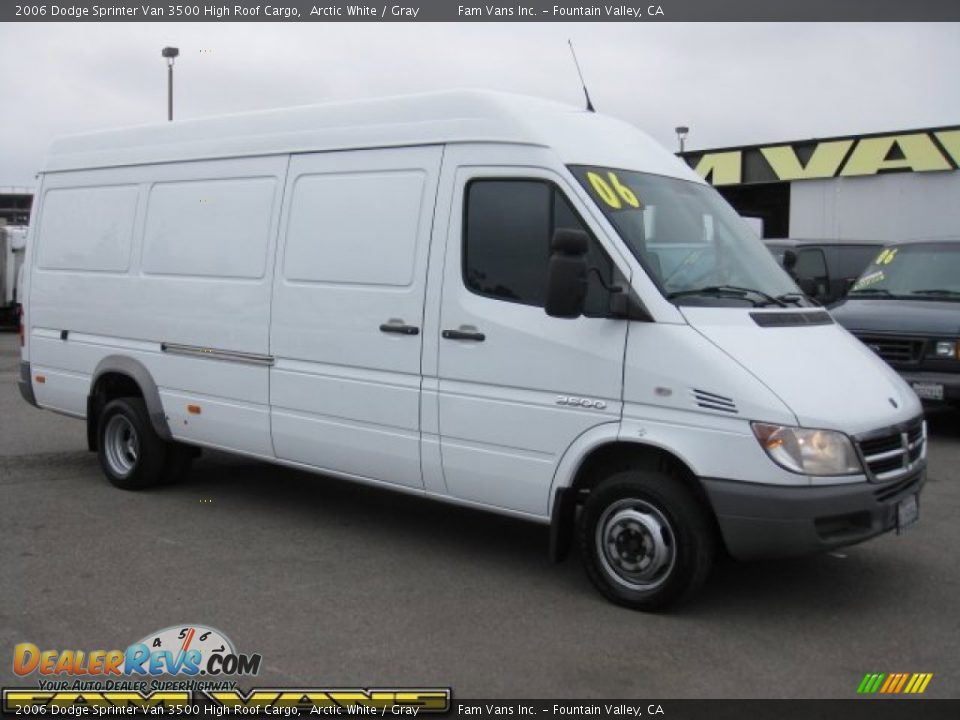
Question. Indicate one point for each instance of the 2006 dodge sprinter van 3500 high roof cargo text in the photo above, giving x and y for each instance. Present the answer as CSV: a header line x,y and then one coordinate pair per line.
x,y
492,300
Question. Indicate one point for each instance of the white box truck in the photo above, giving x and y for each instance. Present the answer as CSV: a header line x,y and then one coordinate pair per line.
x,y
491,300
13,243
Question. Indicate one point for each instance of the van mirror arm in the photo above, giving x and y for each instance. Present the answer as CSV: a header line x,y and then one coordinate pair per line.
x,y
612,289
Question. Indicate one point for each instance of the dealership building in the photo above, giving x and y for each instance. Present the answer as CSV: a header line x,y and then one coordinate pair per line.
x,y
15,204
884,186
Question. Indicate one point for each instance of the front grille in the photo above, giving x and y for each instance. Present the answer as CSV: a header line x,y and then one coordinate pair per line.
x,y
895,453
895,488
895,350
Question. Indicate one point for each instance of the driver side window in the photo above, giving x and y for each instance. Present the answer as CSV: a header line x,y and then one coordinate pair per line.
x,y
508,226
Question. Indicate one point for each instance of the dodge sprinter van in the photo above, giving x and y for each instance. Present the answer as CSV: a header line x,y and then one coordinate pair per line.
x,y
496,301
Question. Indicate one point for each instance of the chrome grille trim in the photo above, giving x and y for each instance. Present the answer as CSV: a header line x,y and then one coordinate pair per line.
x,y
895,452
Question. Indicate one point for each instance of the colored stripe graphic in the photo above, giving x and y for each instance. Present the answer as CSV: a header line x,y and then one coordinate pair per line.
x,y
864,684
894,683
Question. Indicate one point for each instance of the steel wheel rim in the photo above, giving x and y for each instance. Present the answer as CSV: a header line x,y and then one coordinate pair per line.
x,y
636,544
121,445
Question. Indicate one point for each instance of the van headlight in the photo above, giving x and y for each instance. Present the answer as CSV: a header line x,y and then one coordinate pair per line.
x,y
811,452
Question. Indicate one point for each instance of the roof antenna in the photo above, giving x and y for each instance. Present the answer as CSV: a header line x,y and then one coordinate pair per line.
x,y
580,73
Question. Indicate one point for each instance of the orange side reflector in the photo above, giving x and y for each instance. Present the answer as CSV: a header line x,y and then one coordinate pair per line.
x,y
41,379
193,409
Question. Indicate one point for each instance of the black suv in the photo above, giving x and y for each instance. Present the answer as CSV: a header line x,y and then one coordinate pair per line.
x,y
906,307
824,269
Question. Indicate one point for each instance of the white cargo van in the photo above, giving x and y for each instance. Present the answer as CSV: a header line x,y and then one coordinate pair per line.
x,y
492,300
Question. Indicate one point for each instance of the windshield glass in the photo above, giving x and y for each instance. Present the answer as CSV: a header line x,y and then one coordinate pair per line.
x,y
689,240
921,271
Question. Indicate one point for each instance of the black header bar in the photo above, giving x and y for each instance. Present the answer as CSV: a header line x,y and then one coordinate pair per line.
x,y
630,11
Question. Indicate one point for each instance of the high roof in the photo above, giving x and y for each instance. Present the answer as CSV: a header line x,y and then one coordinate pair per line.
x,y
578,136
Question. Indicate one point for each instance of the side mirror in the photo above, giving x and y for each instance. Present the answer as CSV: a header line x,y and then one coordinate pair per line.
x,y
789,261
809,287
567,274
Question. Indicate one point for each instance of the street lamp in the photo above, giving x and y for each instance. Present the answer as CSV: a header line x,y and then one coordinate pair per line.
x,y
682,131
170,53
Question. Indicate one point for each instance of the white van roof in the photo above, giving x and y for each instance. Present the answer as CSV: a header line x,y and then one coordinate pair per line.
x,y
577,136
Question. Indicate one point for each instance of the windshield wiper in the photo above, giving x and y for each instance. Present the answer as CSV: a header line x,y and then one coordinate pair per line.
x,y
882,292
940,292
730,291
796,298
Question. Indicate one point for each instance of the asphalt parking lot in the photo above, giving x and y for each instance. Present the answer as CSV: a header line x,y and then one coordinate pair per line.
x,y
341,585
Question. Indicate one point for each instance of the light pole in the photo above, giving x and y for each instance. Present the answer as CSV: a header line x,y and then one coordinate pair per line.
x,y
170,53
682,131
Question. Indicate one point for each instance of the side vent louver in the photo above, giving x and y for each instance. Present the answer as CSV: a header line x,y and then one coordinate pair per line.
x,y
712,401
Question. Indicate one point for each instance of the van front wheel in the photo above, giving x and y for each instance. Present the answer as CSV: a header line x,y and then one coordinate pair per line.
x,y
131,454
645,539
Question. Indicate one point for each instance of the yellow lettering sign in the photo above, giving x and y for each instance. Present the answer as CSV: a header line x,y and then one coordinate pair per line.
x,y
871,155
950,139
722,168
823,163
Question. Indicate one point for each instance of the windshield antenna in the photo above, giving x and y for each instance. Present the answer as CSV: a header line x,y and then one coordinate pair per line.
x,y
580,73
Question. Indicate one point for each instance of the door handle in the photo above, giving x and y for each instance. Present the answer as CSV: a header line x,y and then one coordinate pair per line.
x,y
398,327
464,335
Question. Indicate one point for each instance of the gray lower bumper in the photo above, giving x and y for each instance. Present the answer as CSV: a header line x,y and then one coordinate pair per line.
x,y
773,521
26,387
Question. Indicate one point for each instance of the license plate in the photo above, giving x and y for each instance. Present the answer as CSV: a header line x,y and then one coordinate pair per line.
x,y
928,391
908,512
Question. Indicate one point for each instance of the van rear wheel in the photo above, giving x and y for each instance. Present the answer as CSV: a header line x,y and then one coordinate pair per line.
x,y
131,454
645,539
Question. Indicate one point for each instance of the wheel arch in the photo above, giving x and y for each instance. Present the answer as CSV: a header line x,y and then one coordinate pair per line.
x,y
596,455
119,375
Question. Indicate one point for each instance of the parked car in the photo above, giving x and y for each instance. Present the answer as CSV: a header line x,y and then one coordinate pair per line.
x,y
824,269
906,308
489,300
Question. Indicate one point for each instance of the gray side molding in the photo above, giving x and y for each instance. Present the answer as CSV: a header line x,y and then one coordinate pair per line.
x,y
26,386
134,369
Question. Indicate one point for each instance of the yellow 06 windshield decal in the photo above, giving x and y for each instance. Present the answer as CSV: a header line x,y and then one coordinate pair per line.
x,y
886,256
612,191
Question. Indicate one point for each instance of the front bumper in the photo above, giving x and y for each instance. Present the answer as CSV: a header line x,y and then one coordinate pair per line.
x,y
950,382
774,521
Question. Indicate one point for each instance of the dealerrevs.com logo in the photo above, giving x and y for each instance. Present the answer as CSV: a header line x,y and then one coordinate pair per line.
x,y
188,650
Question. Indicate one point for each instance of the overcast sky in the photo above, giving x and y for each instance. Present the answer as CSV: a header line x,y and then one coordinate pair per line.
x,y
731,83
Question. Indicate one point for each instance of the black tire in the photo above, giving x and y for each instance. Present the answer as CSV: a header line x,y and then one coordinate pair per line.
x,y
617,538
179,459
132,455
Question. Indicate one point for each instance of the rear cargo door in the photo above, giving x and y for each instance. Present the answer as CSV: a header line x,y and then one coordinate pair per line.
x,y
347,312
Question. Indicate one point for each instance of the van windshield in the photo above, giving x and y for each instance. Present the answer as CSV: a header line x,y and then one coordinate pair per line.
x,y
688,239
917,272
